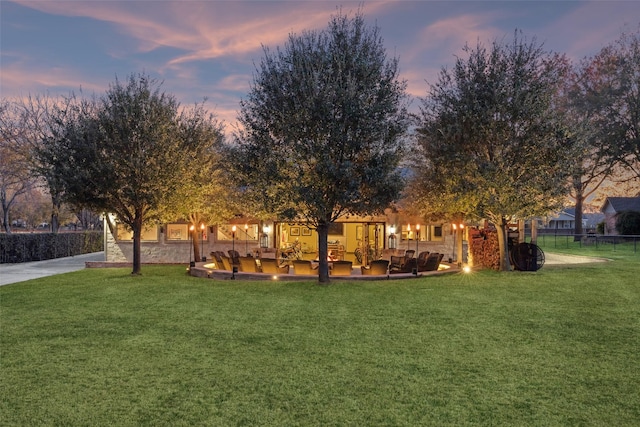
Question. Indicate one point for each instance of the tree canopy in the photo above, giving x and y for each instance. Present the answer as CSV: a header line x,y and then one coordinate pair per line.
x,y
130,152
490,143
614,99
323,127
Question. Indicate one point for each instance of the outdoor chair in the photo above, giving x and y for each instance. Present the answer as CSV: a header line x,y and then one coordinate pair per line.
x,y
431,263
224,264
234,255
407,266
248,264
270,266
409,254
341,268
303,267
376,268
422,257
396,262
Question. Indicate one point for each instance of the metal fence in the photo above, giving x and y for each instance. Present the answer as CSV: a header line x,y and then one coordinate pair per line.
x,y
622,243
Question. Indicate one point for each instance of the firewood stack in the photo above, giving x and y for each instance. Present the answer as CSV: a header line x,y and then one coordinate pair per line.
x,y
484,248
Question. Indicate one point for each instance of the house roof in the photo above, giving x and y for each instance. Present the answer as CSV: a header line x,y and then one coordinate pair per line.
x,y
620,204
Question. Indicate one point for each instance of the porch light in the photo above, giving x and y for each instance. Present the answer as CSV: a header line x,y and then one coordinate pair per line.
x,y
392,237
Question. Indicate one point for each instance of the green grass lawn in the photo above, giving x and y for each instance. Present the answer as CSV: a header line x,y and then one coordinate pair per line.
x,y
99,347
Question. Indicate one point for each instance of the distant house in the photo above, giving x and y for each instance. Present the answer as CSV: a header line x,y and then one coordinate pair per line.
x,y
613,206
564,222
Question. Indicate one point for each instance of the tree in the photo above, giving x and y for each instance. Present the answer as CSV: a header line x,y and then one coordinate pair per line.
x,y
323,128
592,162
617,99
490,144
15,172
126,154
206,193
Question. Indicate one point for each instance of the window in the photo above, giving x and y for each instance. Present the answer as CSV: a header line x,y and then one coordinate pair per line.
x,y
177,232
149,234
225,232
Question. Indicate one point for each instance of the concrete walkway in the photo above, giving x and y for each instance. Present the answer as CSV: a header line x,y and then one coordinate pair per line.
x,y
14,273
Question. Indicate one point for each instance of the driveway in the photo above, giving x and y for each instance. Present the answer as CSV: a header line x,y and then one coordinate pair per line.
x,y
14,273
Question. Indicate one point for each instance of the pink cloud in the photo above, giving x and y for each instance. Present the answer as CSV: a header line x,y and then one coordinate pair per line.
x,y
42,80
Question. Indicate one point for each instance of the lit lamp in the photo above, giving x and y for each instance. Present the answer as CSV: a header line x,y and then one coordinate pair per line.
x,y
191,263
234,268
246,239
202,242
392,237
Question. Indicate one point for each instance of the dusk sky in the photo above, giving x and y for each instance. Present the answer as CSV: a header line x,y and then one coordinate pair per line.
x,y
208,49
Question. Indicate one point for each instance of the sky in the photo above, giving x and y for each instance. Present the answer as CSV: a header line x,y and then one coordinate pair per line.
x,y
210,49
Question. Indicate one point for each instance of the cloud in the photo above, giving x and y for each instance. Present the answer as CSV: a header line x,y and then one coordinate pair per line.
x,y
204,30
583,31
38,80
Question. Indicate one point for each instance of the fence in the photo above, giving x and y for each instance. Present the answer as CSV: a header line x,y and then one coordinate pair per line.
x,y
623,243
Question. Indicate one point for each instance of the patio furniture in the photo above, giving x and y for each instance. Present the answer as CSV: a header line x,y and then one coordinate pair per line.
x,y
422,257
406,267
396,262
376,268
303,267
248,264
270,266
341,268
234,255
431,263
225,264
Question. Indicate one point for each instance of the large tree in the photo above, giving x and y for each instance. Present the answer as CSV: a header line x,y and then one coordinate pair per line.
x,y
615,101
128,153
206,194
323,127
15,172
593,162
490,145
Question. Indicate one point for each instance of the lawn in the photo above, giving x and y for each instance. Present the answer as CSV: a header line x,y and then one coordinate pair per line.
x,y
99,347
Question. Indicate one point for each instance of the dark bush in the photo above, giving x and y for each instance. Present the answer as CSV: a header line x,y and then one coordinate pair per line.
x,y
628,223
25,247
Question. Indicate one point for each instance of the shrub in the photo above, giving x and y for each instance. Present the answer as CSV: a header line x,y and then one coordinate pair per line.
x,y
25,247
628,223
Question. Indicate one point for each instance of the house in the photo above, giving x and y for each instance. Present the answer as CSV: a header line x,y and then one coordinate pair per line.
x,y
564,222
613,206
171,242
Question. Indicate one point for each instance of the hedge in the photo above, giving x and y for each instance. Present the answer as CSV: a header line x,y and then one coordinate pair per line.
x,y
25,247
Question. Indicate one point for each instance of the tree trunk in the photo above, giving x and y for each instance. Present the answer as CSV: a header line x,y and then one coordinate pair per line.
x,y
503,244
55,213
323,252
137,238
195,237
578,231
5,218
